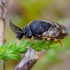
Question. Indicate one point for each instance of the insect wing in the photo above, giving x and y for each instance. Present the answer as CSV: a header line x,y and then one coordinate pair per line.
x,y
14,28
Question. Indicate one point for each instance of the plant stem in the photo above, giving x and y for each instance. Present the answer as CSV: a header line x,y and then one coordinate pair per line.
x,y
28,61
3,10
2,28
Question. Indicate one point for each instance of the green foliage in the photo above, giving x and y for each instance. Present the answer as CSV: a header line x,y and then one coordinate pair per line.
x,y
13,51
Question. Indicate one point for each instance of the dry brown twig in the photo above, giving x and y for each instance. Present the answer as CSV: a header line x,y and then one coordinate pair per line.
x,y
3,10
28,61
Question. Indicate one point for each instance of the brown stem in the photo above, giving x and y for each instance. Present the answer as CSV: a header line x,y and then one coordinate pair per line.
x,y
2,39
28,61
3,10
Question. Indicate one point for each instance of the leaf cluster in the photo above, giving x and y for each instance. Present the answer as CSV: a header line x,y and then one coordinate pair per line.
x,y
13,51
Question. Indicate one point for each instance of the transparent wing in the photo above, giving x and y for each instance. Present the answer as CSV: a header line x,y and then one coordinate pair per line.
x,y
14,28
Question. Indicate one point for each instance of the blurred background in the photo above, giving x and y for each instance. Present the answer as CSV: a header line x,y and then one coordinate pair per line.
x,y
21,12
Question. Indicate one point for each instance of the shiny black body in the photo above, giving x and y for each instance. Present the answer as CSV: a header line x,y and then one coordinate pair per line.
x,y
38,27
35,29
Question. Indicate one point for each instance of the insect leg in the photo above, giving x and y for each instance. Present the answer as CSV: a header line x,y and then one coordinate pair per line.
x,y
58,42
47,42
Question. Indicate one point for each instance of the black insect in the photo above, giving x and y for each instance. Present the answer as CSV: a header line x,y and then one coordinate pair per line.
x,y
41,29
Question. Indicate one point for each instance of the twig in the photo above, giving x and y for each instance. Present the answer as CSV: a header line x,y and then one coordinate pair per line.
x,y
27,61
3,10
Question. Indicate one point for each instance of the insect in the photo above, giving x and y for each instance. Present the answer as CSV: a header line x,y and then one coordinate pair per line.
x,y
41,29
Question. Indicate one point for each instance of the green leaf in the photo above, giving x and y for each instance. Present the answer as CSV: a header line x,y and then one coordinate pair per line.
x,y
40,43
22,50
38,49
31,44
2,48
23,46
16,50
14,56
12,46
24,43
